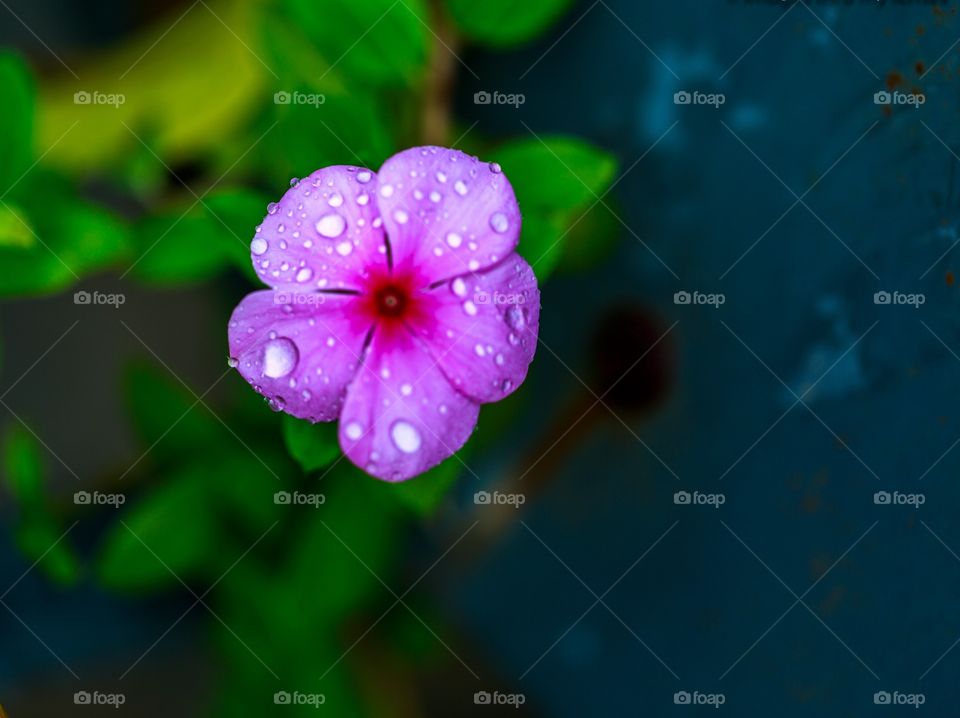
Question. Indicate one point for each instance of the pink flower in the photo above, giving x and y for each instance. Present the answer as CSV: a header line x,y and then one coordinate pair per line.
x,y
399,305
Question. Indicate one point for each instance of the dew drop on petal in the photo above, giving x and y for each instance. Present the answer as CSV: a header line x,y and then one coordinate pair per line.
x,y
499,222
495,168
280,356
272,208
386,190
344,248
336,199
405,436
470,308
454,240
460,187
304,275
406,389
364,177
459,287
353,431
401,216
232,363
258,246
331,225
514,317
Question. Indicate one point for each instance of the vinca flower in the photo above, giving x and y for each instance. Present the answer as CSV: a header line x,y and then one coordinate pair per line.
x,y
398,305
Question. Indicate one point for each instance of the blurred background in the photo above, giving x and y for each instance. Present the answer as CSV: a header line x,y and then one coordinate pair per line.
x,y
728,481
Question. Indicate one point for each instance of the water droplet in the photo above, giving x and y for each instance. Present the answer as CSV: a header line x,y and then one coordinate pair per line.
x,y
364,177
305,274
506,385
232,363
354,430
363,199
294,181
405,436
275,403
514,317
336,199
459,287
495,168
479,350
454,240
499,359
280,356
499,222
272,208
470,308
435,196
401,216
460,187
473,265
406,389
258,246
331,225
344,248
386,190
441,177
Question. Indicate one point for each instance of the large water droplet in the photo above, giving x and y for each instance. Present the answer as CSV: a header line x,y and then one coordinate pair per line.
x,y
495,168
364,177
405,436
353,431
280,356
258,246
331,225
499,222
515,318
454,240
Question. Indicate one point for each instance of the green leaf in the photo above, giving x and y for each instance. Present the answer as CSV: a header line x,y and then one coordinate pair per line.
x,y
40,539
556,180
371,41
555,173
174,248
505,22
313,446
238,212
165,415
170,533
23,466
15,230
424,494
16,121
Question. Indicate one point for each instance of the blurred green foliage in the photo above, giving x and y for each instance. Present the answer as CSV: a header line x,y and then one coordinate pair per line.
x,y
288,582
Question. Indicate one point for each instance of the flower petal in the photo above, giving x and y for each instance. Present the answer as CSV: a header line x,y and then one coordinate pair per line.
x,y
301,356
402,416
446,213
324,233
482,328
